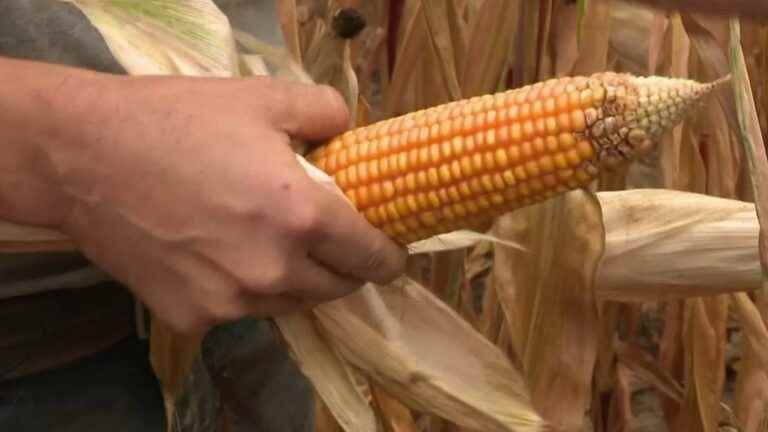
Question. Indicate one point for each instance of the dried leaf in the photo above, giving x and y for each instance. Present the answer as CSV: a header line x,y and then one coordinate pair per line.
x,y
459,33
751,137
526,44
712,50
327,372
596,29
289,23
487,48
646,367
548,299
754,327
438,33
395,416
564,37
704,342
455,240
409,51
671,353
751,387
351,88
419,350
633,33
324,419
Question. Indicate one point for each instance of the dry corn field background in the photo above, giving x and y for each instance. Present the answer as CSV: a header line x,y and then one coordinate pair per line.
x,y
602,265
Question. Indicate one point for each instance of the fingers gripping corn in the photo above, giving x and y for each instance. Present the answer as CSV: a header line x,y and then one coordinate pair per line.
x,y
462,164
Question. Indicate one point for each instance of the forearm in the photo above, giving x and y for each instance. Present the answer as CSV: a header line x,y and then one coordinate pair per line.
x,y
37,114
746,8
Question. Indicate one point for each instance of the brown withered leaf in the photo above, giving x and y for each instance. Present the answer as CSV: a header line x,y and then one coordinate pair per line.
x,y
324,419
486,48
751,414
423,353
438,33
596,29
648,369
704,343
753,326
459,33
447,276
632,30
681,162
526,43
708,35
751,136
548,298
671,354
409,49
606,376
330,376
564,38
351,88
751,393
431,89
658,32
395,416
289,23
620,417
751,387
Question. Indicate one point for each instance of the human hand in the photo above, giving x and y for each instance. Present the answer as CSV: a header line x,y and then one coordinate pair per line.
x,y
187,191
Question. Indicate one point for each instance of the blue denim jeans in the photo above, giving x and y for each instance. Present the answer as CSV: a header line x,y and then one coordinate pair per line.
x,y
111,391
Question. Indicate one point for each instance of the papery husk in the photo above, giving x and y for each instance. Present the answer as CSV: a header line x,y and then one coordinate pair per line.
x,y
663,244
422,352
331,377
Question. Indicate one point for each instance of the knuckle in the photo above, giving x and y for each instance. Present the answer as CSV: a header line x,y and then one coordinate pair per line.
x,y
269,281
304,220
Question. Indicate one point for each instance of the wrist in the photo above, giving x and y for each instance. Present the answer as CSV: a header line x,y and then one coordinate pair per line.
x,y
41,113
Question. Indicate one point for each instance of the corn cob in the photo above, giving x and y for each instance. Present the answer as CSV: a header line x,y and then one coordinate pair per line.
x,y
464,163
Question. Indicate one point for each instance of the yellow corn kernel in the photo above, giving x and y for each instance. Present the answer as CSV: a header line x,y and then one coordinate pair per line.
x,y
463,163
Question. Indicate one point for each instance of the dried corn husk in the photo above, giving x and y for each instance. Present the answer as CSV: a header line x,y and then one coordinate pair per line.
x,y
663,244
424,353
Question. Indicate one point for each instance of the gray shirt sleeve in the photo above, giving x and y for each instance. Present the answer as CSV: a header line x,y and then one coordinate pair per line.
x,y
53,31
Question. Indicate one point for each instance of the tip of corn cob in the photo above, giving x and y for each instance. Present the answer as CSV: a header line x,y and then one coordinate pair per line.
x,y
637,111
